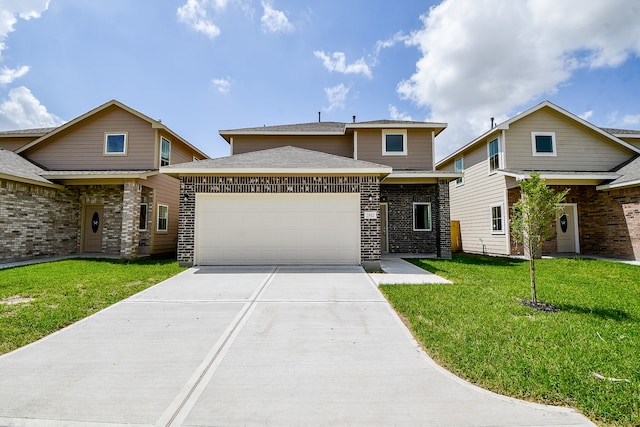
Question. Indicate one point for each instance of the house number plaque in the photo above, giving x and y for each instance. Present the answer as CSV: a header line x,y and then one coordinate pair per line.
x,y
370,215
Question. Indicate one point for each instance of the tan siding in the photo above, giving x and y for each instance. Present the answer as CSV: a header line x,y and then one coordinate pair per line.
x,y
82,146
470,204
633,141
419,149
340,145
577,147
166,192
12,143
180,153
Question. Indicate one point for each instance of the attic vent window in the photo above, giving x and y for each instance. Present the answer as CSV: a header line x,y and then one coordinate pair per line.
x,y
115,144
543,143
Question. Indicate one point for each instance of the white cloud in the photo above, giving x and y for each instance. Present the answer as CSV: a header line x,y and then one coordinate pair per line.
x,y
397,115
337,61
398,37
8,75
194,13
485,58
222,85
337,96
24,111
10,11
586,115
273,20
631,120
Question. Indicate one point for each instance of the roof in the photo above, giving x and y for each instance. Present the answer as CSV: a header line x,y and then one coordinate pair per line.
x,y
545,104
625,133
629,175
156,124
331,128
98,174
281,160
17,168
26,132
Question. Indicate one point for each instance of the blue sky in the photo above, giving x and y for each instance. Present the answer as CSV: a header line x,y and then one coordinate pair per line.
x,y
206,65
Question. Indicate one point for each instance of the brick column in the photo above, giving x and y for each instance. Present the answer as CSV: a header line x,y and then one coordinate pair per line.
x,y
370,228
444,220
130,232
186,222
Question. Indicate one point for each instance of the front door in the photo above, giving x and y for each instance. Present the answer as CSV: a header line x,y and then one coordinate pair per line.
x,y
93,219
566,229
384,240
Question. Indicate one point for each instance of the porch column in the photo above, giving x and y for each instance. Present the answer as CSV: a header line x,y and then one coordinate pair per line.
x,y
444,220
130,237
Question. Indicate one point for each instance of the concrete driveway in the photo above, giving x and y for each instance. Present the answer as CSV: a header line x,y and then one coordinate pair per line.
x,y
255,346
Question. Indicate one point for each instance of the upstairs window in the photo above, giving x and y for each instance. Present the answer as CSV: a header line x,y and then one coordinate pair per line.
x,y
394,142
115,144
494,155
459,167
422,217
543,143
165,151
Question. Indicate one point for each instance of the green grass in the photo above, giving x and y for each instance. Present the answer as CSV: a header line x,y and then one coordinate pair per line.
x,y
64,292
478,329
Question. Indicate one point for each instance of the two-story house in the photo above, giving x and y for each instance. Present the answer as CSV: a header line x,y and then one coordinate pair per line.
x,y
316,193
91,186
601,167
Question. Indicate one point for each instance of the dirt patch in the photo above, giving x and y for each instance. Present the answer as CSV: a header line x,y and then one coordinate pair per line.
x,y
541,306
16,299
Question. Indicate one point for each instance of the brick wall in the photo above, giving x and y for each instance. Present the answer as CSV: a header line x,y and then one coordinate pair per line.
x,y
37,221
130,237
370,228
144,243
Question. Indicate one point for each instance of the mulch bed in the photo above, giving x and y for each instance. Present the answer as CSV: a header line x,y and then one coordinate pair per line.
x,y
541,306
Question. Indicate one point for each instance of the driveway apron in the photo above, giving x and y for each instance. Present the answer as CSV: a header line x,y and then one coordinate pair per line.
x,y
236,346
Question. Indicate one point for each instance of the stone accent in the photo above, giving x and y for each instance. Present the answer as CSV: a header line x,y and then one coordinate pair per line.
x,y
130,237
444,220
37,221
366,185
144,243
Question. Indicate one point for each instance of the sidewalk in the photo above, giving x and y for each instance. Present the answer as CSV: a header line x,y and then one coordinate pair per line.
x,y
397,271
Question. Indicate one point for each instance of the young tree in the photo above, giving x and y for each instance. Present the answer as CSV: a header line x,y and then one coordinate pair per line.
x,y
531,222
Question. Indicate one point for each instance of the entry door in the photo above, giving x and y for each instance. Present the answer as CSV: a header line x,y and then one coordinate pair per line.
x,y
566,229
384,240
93,220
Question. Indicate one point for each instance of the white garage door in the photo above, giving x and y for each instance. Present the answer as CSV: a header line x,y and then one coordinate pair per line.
x,y
236,229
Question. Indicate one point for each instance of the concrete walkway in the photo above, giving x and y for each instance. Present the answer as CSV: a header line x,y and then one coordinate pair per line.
x,y
236,346
397,271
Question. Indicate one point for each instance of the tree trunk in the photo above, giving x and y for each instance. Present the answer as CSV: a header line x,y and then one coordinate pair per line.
x,y
532,275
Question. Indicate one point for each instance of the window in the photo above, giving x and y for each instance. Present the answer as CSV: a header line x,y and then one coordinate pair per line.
x,y
165,151
497,219
422,217
543,143
459,167
163,218
115,143
494,155
394,143
143,217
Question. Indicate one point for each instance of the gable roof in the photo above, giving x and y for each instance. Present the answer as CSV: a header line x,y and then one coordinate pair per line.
x,y
281,160
545,104
155,124
17,168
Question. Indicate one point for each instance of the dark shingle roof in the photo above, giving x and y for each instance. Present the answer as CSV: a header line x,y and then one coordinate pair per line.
x,y
27,132
614,131
630,172
14,165
328,127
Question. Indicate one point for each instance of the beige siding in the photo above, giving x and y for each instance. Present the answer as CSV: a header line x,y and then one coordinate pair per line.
x,y
12,143
633,141
166,192
419,149
340,145
577,147
471,202
180,153
82,146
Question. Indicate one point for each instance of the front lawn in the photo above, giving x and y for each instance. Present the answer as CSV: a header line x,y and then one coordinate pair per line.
x,y
36,300
478,329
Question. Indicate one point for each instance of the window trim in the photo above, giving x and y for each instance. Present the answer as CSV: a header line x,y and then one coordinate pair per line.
x,y
125,146
402,132
413,214
158,218
502,231
498,154
534,148
459,181
162,138
146,217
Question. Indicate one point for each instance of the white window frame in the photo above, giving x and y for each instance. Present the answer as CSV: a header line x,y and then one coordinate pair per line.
x,y
106,145
502,218
499,154
402,132
534,149
158,218
413,213
459,181
162,138
146,216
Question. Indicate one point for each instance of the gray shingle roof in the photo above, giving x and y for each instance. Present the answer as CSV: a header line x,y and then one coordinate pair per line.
x,y
323,127
614,131
630,172
15,165
31,132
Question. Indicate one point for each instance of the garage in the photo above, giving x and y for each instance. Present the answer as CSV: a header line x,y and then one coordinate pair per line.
x,y
277,228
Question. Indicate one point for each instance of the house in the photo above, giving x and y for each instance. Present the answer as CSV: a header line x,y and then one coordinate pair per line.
x,y
91,186
316,193
600,166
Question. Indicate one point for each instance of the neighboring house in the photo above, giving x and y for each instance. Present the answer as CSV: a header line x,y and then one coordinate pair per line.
x,y
91,186
601,167
316,193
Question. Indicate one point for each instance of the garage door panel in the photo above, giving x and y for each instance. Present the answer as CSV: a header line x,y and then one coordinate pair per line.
x,y
277,228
